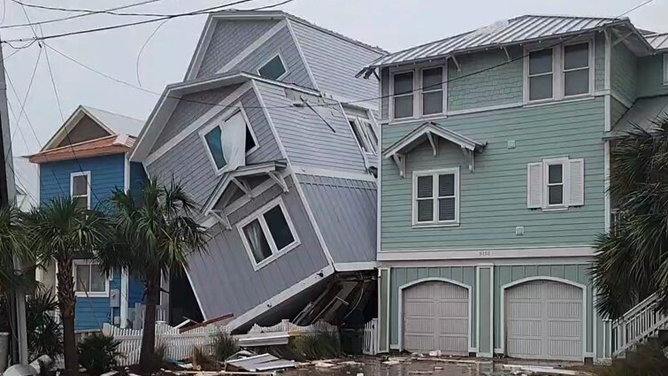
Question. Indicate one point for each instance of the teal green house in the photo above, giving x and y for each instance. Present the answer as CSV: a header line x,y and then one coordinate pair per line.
x,y
493,177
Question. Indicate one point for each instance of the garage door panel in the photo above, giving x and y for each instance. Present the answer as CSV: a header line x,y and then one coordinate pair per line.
x,y
544,320
435,317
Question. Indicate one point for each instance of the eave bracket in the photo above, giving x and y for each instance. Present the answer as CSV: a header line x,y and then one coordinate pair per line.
x,y
400,161
278,178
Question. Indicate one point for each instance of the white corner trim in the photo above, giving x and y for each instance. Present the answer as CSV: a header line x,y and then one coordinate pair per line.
x,y
280,297
201,121
437,279
125,289
355,266
311,217
295,40
485,254
545,278
200,50
253,46
126,172
307,170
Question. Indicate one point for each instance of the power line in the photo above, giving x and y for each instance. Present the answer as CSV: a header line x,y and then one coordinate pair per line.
x,y
136,23
92,12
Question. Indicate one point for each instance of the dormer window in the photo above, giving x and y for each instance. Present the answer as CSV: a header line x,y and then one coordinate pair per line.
x,y
418,92
274,69
432,91
540,75
576,69
403,95
223,138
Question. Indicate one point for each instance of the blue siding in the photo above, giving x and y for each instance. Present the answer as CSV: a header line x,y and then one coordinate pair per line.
x,y
106,174
137,178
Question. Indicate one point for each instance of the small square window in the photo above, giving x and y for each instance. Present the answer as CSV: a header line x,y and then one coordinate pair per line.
x,y
268,233
274,69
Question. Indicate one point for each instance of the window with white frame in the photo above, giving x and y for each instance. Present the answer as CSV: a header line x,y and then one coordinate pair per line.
x,y
268,233
556,183
89,280
274,69
221,138
432,91
436,197
559,72
365,134
80,188
403,95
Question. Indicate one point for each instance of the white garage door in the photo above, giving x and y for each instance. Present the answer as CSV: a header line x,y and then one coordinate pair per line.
x,y
435,317
544,321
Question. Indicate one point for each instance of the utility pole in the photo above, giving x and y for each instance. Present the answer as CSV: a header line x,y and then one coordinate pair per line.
x,y
7,194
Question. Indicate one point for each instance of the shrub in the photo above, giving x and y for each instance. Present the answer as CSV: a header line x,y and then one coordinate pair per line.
x,y
44,333
647,360
98,353
317,345
223,345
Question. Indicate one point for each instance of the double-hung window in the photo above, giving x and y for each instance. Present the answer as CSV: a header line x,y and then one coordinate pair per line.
x,y
541,77
403,95
365,134
221,138
80,188
89,281
576,69
268,233
556,183
432,91
436,197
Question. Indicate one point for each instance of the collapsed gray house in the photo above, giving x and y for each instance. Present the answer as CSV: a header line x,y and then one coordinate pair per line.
x,y
267,132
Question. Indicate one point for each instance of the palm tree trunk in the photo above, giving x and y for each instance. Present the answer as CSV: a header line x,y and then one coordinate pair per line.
x,y
146,356
66,303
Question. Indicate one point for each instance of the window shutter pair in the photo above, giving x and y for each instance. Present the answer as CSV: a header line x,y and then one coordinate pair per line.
x,y
573,183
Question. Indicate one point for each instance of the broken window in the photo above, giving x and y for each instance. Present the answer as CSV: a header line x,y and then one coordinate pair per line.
x,y
365,134
223,139
268,233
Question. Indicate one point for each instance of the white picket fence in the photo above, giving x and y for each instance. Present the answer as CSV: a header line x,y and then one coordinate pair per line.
x,y
178,346
371,333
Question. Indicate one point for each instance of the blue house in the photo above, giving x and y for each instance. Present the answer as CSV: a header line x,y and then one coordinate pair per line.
x,y
87,158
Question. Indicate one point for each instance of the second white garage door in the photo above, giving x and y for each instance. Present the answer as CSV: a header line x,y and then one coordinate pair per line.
x,y
544,321
435,317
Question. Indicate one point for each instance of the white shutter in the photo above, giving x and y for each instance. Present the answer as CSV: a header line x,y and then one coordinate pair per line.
x,y
233,139
576,182
535,185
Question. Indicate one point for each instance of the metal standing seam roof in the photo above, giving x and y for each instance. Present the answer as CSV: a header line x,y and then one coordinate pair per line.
x,y
120,124
658,41
523,28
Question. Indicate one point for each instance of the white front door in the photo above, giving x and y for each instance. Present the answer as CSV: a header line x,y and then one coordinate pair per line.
x,y
544,321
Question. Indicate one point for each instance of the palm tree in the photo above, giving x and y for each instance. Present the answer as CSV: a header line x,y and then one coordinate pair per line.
x,y
12,247
155,234
632,260
62,230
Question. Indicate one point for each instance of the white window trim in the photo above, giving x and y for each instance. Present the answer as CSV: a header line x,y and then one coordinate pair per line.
x,y
421,91
259,215
89,294
88,185
285,67
558,86
565,181
359,123
665,68
237,107
435,174
417,91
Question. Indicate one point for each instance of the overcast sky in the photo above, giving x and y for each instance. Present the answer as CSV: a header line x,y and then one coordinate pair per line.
x,y
391,24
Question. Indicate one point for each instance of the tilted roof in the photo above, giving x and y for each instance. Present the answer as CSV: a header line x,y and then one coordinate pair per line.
x,y
644,114
658,41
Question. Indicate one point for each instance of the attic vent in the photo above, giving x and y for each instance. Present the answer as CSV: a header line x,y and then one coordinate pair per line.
x,y
488,30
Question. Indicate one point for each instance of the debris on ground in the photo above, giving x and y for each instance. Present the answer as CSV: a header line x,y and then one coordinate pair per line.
x,y
538,370
259,363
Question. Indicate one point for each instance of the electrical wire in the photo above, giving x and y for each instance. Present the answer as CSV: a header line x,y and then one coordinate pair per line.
x,y
141,50
209,10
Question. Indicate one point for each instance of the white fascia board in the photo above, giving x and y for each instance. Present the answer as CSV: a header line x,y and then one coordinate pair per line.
x,y
486,254
200,49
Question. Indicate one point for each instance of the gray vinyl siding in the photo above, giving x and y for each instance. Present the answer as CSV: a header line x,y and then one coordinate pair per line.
x,y
190,108
496,86
189,164
85,130
345,211
307,139
650,76
223,278
493,198
230,38
281,42
617,110
335,61
623,74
